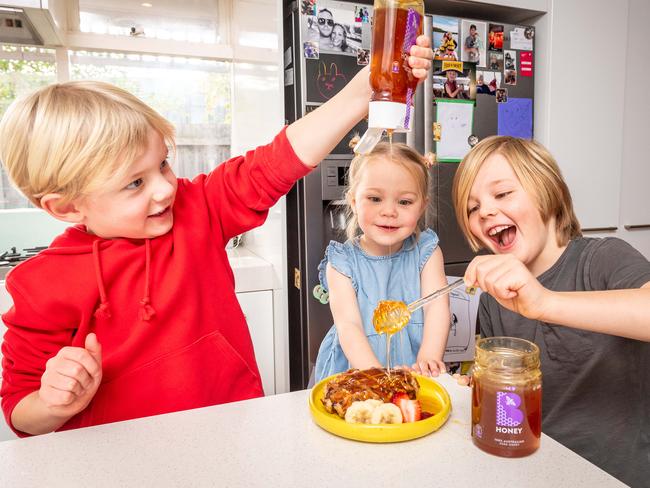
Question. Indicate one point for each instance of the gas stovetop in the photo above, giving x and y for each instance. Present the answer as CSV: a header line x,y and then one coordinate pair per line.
x,y
13,256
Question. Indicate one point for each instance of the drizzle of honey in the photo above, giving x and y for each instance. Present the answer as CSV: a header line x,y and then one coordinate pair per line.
x,y
390,136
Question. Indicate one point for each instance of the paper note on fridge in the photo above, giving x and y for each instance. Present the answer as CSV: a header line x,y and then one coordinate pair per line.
x,y
518,39
455,118
462,327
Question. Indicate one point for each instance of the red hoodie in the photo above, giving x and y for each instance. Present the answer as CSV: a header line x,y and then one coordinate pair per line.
x,y
164,310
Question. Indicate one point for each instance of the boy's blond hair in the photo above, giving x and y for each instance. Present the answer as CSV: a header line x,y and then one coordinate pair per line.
x,y
538,173
399,153
73,138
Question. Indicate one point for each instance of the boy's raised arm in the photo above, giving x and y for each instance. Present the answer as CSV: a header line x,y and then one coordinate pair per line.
x,y
315,135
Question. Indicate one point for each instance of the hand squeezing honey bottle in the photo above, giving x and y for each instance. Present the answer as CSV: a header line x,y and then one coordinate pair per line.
x,y
396,26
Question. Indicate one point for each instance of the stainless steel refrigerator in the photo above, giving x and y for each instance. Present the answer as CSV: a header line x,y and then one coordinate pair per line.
x,y
314,70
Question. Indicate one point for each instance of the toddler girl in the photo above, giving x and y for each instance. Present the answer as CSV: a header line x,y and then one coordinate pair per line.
x,y
388,259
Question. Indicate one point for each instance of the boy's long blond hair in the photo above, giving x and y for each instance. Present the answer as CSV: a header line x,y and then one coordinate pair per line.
x,y
538,173
399,153
73,138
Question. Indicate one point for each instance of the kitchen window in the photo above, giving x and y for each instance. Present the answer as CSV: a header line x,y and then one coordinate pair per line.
x,y
22,70
193,94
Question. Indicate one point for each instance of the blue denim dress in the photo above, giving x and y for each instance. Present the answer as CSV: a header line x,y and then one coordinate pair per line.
x,y
375,278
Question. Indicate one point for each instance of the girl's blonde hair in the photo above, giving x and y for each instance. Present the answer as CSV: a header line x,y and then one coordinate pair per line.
x,y
399,153
72,138
538,173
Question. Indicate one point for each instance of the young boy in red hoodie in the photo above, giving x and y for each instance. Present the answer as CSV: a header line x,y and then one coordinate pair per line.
x,y
132,311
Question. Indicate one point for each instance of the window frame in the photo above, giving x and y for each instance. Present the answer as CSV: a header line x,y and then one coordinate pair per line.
x,y
228,50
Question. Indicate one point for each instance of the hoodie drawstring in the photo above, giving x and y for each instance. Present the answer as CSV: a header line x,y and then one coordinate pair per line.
x,y
146,310
104,311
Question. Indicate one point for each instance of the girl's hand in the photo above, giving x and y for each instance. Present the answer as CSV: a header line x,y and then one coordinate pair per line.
x,y
428,367
508,280
463,379
71,378
421,56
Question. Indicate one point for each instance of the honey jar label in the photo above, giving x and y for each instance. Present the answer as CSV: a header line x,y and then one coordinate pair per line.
x,y
507,422
509,416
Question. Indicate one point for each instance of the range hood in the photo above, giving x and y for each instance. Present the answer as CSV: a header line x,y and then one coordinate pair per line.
x,y
36,22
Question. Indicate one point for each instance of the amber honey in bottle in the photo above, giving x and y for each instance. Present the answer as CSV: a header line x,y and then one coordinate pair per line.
x,y
507,397
395,28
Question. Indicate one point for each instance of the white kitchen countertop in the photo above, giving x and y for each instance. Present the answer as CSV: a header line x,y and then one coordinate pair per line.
x,y
273,442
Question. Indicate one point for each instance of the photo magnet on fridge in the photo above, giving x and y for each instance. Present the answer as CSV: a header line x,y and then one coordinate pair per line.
x,y
338,27
495,37
473,35
445,37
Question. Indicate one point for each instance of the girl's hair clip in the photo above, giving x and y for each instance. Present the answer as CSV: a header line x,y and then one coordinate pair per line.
x,y
354,140
429,159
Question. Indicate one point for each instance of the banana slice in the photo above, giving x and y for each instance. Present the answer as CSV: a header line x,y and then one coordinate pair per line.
x,y
386,413
373,403
360,412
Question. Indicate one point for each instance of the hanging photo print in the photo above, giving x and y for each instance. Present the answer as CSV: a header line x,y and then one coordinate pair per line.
x,y
487,82
445,38
361,14
510,59
308,7
453,80
337,27
473,35
495,61
310,50
495,37
510,77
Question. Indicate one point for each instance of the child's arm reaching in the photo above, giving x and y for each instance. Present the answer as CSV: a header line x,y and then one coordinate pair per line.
x,y
345,310
624,313
436,318
335,118
69,383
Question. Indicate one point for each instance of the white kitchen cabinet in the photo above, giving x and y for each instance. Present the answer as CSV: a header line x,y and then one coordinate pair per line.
x,y
258,309
585,106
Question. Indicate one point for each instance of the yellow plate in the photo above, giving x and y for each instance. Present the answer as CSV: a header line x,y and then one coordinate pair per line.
x,y
433,398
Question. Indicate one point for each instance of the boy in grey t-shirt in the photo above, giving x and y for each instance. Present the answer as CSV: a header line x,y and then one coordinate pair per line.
x,y
584,302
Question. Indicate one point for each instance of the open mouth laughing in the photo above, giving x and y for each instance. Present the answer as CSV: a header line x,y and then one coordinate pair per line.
x,y
503,236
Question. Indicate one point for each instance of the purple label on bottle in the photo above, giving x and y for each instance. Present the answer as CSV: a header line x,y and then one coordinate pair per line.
x,y
412,26
508,413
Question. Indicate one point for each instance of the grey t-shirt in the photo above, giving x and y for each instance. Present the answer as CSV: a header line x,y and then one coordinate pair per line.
x,y
595,387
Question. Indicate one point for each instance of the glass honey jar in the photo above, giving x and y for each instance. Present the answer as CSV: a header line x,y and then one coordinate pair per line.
x,y
507,397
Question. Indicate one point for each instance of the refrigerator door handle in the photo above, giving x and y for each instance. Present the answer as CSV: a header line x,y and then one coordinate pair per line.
x,y
428,95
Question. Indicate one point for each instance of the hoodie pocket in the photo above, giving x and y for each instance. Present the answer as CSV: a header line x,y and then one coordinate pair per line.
x,y
207,372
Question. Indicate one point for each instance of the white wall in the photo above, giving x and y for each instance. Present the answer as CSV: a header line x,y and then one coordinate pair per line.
x,y
258,115
591,109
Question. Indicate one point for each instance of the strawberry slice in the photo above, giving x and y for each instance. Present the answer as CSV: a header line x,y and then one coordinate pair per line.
x,y
411,409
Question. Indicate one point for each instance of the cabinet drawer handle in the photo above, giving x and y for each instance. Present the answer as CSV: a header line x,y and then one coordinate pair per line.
x,y
637,226
600,229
